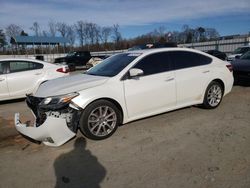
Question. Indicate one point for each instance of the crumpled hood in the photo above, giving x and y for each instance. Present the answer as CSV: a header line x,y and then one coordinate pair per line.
x,y
69,84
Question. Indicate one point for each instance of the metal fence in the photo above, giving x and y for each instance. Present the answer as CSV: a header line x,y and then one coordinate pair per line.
x,y
51,57
224,45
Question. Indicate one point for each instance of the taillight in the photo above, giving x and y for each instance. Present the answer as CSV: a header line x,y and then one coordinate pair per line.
x,y
63,70
230,67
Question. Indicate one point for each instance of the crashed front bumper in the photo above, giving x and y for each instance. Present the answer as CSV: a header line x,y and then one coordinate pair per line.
x,y
53,132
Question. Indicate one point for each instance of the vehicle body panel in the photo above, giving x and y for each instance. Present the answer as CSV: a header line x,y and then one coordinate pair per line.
x,y
52,129
191,84
137,92
241,68
66,85
4,94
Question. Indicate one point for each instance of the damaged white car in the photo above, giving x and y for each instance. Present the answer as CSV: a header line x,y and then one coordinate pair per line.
x,y
123,88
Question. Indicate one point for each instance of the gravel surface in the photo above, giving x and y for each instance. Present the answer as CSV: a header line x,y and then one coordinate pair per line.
x,y
191,147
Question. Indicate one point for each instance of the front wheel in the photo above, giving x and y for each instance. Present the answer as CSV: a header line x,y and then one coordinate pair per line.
x,y
100,120
213,95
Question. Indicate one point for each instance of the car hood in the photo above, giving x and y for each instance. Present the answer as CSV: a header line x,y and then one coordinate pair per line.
x,y
69,84
241,65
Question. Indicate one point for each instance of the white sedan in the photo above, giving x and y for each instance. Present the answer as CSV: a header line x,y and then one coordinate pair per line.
x,y
19,77
123,88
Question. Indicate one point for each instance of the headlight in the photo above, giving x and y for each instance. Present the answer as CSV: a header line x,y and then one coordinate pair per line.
x,y
57,102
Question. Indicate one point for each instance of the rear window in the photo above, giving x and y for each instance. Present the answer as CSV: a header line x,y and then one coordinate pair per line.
x,y
185,59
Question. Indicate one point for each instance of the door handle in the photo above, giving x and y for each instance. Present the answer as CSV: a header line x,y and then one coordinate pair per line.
x,y
39,73
169,79
2,79
207,71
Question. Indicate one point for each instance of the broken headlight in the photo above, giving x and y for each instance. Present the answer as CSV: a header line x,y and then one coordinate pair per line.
x,y
57,102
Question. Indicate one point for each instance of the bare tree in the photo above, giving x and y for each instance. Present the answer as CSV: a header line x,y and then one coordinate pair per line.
x,y
201,32
52,28
93,33
117,37
62,28
2,39
161,31
105,34
70,34
97,34
80,28
36,29
211,33
13,30
44,33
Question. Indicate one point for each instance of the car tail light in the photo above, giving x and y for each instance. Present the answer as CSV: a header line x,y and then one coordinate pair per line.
x,y
230,67
63,70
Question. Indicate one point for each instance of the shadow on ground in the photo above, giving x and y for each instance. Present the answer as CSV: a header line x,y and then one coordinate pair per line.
x,y
78,168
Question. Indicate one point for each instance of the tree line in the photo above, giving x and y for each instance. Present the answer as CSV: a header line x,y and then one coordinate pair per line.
x,y
90,36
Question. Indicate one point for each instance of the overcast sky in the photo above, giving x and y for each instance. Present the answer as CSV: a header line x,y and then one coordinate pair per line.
x,y
134,16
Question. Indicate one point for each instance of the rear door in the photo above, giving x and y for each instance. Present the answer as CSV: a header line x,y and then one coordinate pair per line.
x,y
153,92
4,91
24,77
192,75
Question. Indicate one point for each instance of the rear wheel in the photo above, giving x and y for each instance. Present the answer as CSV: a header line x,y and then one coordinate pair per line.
x,y
213,95
100,120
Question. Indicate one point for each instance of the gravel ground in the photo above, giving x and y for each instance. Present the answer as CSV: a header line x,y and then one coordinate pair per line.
x,y
191,147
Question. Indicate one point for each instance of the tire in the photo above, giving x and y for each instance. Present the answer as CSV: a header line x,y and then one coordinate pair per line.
x,y
213,95
100,120
72,67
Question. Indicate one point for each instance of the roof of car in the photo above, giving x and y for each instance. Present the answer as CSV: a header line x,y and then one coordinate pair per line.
x,y
23,59
148,51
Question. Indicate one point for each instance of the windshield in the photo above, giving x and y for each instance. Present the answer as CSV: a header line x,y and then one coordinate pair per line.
x,y
241,50
246,56
112,65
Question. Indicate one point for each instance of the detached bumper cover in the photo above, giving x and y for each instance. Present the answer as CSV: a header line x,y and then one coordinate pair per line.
x,y
53,132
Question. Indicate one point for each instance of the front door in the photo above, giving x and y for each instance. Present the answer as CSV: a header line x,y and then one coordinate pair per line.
x,y
155,91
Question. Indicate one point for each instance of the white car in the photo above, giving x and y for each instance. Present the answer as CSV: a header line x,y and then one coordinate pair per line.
x,y
19,77
123,88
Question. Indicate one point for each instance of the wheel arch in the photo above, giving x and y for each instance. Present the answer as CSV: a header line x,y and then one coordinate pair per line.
x,y
220,82
116,103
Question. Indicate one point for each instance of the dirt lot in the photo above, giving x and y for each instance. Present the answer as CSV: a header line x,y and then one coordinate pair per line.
x,y
191,147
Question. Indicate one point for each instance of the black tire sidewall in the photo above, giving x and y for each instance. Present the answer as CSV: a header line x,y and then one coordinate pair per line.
x,y
205,101
83,124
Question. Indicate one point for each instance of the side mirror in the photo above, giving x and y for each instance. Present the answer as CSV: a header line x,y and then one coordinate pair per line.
x,y
134,72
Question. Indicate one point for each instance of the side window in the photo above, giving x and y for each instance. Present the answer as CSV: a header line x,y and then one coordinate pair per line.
x,y
184,59
155,63
18,66
37,65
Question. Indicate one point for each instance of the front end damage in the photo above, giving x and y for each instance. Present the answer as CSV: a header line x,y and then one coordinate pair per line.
x,y
56,120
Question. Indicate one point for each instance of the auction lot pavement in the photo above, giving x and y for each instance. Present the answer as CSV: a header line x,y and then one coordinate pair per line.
x,y
191,147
